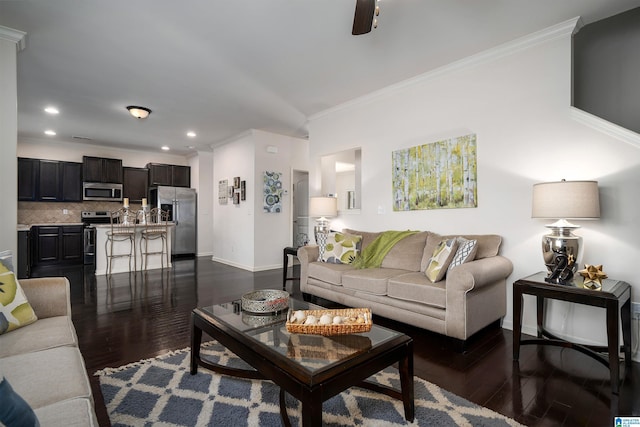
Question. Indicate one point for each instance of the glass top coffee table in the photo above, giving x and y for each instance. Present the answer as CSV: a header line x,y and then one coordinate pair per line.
x,y
311,368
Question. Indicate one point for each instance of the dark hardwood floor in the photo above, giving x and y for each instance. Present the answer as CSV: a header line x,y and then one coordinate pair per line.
x,y
139,316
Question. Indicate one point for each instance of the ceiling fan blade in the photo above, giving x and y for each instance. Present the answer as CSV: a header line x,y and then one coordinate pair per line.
x,y
363,18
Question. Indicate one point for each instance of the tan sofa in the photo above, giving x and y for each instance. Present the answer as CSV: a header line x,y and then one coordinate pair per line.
x,y
42,361
470,297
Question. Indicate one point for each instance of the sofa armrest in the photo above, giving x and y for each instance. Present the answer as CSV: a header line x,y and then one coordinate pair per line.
x,y
478,273
306,254
49,296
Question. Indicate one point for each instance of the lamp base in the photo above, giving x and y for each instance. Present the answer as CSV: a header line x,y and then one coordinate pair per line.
x,y
321,228
561,251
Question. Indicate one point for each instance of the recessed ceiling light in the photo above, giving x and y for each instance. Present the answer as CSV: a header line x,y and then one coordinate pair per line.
x,y
191,134
51,110
165,148
50,132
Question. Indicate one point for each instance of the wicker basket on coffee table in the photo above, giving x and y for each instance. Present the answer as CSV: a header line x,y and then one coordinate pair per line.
x,y
354,320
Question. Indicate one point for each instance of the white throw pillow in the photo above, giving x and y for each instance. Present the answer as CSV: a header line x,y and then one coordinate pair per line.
x,y
466,252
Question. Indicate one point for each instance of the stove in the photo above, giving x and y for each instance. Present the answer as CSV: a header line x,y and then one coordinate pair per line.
x,y
95,217
89,219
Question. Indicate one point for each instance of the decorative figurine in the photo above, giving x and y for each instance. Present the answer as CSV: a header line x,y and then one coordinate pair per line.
x,y
593,276
563,267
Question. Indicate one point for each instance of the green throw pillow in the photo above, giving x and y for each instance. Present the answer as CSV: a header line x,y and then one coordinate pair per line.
x,y
15,310
341,248
440,260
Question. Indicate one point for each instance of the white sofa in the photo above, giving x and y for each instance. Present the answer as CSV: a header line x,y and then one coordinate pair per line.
x,y
42,361
470,297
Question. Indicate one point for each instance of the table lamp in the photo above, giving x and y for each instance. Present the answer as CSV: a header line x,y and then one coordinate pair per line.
x,y
563,200
321,208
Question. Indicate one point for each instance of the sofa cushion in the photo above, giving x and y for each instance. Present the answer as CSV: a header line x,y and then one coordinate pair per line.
x,y
371,280
330,273
44,334
466,252
341,248
407,253
416,287
367,236
34,375
15,310
440,260
69,413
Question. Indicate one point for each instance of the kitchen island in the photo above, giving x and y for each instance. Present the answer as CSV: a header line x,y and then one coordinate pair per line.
x,y
121,264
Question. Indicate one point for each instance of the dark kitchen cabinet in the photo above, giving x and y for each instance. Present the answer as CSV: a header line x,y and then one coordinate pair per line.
x,y
46,244
49,180
171,175
72,244
99,169
24,254
71,176
181,176
49,188
28,179
59,181
136,183
57,244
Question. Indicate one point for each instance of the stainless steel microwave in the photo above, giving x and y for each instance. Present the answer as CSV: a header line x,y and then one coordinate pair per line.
x,y
106,192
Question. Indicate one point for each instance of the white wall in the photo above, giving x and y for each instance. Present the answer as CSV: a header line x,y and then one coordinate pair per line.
x,y
9,42
202,180
516,99
273,230
244,235
233,225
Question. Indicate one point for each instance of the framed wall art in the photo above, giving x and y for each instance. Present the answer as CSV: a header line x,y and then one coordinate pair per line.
x,y
222,192
272,188
437,175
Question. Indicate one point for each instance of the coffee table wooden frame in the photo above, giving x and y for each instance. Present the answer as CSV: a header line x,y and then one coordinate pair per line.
x,y
309,388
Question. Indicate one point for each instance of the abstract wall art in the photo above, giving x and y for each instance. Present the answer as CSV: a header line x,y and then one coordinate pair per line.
x,y
272,192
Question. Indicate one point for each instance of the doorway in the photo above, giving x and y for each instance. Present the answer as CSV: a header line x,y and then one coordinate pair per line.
x,y
300,202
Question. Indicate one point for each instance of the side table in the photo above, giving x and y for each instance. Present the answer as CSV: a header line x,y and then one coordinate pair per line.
x,y
614,296
289,250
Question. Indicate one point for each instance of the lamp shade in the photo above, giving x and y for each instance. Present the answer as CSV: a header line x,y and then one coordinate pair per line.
x,y
566,200
323,206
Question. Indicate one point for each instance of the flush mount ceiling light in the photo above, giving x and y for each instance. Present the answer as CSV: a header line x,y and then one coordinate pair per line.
x,y
191,134
165,148
51,110
139,112
50,132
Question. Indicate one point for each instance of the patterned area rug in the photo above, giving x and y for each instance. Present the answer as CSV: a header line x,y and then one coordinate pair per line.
x,y
161,392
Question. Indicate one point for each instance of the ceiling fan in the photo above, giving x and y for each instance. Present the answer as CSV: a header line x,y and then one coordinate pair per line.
x,y
363,18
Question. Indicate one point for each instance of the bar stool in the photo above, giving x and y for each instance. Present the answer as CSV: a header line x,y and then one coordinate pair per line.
x,y
154,227
123,228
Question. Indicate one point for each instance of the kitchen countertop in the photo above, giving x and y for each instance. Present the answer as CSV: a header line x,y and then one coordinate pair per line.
x,y
170,224
27,227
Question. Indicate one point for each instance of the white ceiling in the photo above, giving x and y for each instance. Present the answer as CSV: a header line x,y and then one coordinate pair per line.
x,y
221,67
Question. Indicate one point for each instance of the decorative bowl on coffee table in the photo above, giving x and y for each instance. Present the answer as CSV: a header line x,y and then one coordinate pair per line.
x,y
265,301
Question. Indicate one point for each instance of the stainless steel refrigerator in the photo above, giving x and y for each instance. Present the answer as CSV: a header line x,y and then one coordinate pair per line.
x,y
180,202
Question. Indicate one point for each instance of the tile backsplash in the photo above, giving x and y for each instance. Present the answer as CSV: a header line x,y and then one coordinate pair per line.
x,y
53,212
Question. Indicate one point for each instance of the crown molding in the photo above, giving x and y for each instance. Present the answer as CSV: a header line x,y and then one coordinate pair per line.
x,y
561,30
16,36
611,129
